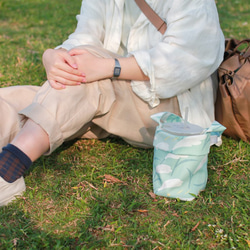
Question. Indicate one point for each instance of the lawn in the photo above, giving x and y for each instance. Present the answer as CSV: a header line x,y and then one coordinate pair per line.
x,y
98,194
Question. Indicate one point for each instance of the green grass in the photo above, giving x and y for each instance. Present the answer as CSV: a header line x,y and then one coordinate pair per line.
x,y
98,194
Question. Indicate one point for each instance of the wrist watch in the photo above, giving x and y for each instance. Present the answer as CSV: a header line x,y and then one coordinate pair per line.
x,y
117,68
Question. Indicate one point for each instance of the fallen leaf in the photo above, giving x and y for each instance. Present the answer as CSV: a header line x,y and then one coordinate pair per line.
x,y
107,228
112,179
248,242
92,186
195,227
168,222
152,195
142,211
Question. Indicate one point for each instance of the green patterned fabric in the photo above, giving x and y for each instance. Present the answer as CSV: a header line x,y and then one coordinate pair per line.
x,y
180,161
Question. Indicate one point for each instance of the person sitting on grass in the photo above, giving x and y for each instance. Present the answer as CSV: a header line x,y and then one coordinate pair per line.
x,y
108,78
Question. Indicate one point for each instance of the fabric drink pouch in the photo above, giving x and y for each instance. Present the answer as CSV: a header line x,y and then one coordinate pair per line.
x,y
180,156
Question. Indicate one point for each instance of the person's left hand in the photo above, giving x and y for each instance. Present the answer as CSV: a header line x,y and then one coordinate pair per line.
x,y
94,68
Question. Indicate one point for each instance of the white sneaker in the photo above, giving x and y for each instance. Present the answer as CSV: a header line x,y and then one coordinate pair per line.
x,y
9,191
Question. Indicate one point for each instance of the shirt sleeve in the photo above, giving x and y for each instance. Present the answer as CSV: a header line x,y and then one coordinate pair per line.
x,y
190,51
90,26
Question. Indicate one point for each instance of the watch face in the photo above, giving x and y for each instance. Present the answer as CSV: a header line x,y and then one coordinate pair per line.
x,y
117,71
117,68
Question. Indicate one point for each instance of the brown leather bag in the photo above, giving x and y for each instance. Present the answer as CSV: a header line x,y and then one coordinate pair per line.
x,y
232,107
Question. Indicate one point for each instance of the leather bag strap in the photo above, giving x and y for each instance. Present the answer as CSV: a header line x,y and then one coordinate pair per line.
x,y
152,16
247,53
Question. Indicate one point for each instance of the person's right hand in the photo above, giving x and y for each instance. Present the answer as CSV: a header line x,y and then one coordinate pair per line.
x,y
61,69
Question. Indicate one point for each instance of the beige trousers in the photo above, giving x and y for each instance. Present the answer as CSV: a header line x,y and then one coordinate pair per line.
x,y
93,110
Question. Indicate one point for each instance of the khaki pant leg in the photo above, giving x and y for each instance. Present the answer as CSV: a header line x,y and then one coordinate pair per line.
x,y
66,114
130,116
12,100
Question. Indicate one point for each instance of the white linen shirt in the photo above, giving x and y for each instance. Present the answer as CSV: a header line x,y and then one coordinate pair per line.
x,y
178,63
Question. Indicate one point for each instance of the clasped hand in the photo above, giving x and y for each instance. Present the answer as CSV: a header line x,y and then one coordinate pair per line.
x,y
74,67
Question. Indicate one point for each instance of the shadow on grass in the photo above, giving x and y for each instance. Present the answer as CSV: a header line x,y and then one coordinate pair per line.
x,y
62,189
19,231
